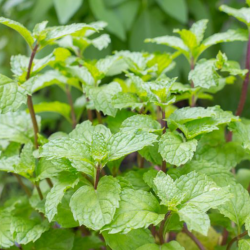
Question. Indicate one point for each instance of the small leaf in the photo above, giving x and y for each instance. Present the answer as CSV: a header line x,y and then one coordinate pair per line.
x,y
96,208
173,245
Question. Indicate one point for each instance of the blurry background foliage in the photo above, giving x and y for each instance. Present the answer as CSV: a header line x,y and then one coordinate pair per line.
x,y
129,23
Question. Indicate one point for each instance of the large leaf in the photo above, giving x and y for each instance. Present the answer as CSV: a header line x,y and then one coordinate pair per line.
x,y
96,208
25,33
137,209
175,150
6,239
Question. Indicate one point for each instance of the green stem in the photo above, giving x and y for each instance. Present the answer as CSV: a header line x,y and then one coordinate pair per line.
x,y
72,111
26,190
97,177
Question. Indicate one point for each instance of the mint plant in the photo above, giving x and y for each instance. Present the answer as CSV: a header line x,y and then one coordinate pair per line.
x,y
136,171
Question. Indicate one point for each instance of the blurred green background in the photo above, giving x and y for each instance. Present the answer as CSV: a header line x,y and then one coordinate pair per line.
x,y
129,23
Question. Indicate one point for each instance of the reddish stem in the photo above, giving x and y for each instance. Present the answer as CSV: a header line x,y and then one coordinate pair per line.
x,y
29,98
238,237
161,229
195,240
243,96
97,177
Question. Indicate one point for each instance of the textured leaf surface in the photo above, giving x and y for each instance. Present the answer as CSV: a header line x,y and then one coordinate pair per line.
x,y
26,230
6,239
102,97
142,122
137,209
175,150
124,143
96,208
54,197
237,208
12,96
244,244
17,126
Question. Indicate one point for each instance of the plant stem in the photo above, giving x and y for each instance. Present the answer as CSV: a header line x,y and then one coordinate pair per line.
x,y
29,98
49,182
99,117
72,111
243,96
39,191
238,237
163,125
224,237
195,240
26,190
161,229
97,177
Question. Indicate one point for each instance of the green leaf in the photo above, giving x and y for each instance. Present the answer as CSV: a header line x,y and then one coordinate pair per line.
x,y
228,36
6,239
27,230
173,245
66,9
177,9
56,107
124,143
200,191
240,14
8,163
49,240
195,121
244,244
167,191
85,132
99,147
175,150
96,208
12,96
195,218
135,178
87,242
130,241
26,34
102,97
171,41
237,208
137,209
114,23
151,154
141,122
126,100
204,74
198,29
17,127
65,181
